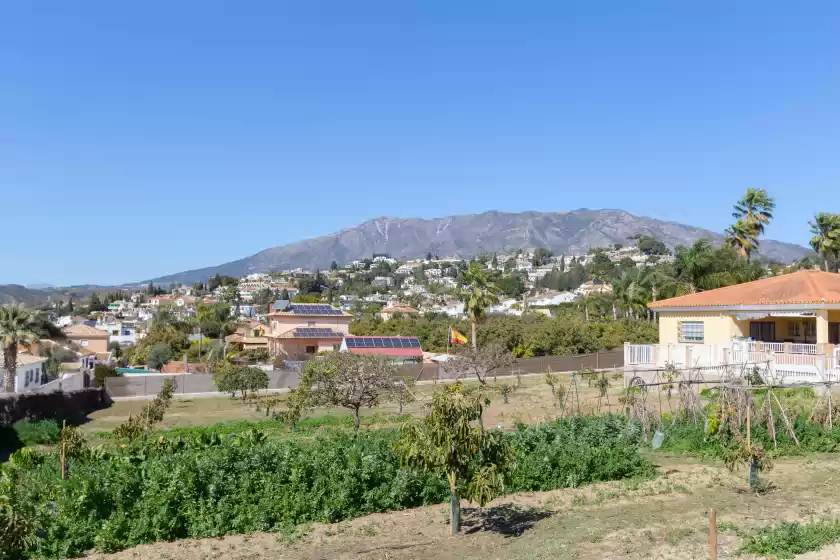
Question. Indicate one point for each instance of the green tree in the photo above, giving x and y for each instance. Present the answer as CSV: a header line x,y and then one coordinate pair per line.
x,y
694,263
826,239
284,295
478,294
159,354
741,237
348,380
754,210
115,349
230,294
101,372
96,304
333,265
18,327
474,460
541,256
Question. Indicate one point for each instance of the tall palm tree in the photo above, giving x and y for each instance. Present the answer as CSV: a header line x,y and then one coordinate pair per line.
x,y
740,236
479,293
756,209
826,240
18,325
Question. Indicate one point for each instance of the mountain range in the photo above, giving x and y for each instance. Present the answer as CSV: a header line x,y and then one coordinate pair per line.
x,y
571,232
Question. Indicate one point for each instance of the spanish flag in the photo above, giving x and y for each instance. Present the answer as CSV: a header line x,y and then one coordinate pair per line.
x,y
456,337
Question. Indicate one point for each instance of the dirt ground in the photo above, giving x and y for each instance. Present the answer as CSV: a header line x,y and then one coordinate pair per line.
x,y
665,519
530,403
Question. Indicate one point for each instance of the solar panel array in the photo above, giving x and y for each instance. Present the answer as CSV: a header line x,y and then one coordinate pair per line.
x,y
304,332
382,342
314,309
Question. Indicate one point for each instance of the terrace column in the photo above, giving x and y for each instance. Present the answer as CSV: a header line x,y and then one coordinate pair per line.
x,y
822,327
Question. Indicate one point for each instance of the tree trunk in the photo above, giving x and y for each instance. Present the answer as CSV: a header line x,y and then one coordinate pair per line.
x,y
825,263
356,419
401,408
474,341
454,507
10,363
615,313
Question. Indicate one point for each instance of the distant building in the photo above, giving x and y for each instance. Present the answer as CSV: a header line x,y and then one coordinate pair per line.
x,y
403,349
382,281
87,337
297,329
395,309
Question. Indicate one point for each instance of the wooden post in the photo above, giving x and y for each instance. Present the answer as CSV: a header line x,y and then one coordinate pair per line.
x,y
712,534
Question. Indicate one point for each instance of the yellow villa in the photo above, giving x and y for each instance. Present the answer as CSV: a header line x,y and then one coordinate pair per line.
x,y
791,321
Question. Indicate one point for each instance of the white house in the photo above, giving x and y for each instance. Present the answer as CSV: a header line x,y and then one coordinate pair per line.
x,y
552,298
125,332
382,281
30,372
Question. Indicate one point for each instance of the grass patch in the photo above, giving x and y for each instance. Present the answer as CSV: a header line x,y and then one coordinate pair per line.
x,y
789,539
37,432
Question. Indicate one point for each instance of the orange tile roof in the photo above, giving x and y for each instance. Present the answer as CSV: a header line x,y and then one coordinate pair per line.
x,y
802,287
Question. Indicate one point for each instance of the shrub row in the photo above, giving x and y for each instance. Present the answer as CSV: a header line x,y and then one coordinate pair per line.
x,y
690,437
234,486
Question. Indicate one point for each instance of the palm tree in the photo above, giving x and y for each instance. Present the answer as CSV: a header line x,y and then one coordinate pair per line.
x,y
630,293
18,326
826,240
479,293
694,264
755,209
740,236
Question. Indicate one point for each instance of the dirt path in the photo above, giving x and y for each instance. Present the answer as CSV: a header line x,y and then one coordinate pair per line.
x,y
663,519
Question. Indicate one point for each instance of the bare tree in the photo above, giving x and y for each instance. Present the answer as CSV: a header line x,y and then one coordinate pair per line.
x,y
348,380
480,362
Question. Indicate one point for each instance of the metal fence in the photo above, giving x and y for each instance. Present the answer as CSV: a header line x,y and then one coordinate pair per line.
x,y
146,385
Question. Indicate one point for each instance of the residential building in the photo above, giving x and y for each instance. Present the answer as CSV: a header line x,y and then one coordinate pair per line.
x,y
551,298
382,281
87,337
407,269
305,328
120,307
593,287
403,349
249,337
30,372
787,324
396,309
181,367
433,273
125,332
159,301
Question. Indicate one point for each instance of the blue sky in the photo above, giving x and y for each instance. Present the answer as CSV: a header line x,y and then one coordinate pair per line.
x,y
145,139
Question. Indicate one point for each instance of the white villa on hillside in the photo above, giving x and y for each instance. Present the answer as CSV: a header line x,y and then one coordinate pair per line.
x,y
788,323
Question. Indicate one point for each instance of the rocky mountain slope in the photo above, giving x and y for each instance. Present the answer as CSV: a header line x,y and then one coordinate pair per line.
x,y
563,232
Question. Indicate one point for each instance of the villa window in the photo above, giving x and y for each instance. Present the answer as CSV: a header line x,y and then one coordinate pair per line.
x,y
794,328
311,349
692,331
811,328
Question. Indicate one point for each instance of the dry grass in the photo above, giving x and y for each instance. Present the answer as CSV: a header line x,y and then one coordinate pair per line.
x,y
530,403
665,518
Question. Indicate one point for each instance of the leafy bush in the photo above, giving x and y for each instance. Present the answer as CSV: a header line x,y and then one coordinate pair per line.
x,y
159,354
212,486
791,539
574,451
687,437
37,432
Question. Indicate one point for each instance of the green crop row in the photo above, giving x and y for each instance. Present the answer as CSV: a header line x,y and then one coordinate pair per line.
x,y
228,485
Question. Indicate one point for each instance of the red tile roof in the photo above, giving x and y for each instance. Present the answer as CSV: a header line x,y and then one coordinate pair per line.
x,y
802,287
